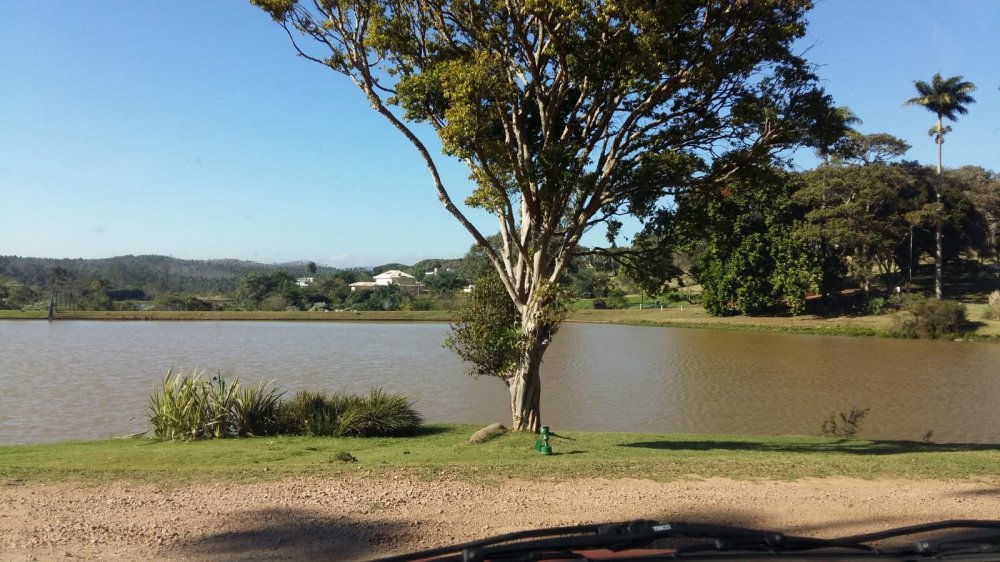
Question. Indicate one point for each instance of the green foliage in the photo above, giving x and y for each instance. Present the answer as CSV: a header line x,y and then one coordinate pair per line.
x,y
382,297
276,290
347,415
944,97
186,406
344,456
861,216
993,312
923,317
570,125
616,299
379,414
180,303
752,258
485,332
876,306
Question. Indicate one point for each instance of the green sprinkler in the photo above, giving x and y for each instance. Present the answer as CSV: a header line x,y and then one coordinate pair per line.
x,y
542,445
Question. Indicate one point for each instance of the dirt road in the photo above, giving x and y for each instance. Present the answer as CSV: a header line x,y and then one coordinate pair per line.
x,y
359,518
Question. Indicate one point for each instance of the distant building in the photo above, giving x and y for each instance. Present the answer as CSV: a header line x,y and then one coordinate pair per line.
x,y
304,281
392,277
395,277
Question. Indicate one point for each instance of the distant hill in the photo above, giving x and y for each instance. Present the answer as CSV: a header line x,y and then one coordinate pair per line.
x,y
421,267
155,274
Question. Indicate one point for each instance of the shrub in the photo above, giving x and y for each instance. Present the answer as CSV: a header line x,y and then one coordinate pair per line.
x,y
379,414
348,415
876,306
186,406
993,311
255,409
313,413
922,317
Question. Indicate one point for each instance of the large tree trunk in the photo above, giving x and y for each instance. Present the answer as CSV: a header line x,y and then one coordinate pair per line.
x,y
525,397
525,384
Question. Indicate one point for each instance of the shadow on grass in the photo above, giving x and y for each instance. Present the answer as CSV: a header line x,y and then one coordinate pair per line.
x,y
848,446
294,534
427,431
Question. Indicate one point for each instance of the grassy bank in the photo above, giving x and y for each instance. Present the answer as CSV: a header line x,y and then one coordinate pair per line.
x,y
677,316
227,315
441,450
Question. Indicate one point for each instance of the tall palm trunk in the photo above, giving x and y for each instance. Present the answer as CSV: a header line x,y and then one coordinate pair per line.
x,y
938,251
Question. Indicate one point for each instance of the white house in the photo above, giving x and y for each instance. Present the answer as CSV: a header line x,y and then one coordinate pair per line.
x,y
304,281
386,278
395,277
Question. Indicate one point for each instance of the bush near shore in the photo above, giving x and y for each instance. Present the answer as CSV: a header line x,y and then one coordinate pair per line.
x,y
188,406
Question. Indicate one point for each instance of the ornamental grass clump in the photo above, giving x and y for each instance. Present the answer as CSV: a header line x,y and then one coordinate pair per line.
x,y
993,312
379,413
187,406
348,415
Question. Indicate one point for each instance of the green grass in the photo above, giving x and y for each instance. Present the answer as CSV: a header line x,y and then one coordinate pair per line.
x,y
23,314
442,450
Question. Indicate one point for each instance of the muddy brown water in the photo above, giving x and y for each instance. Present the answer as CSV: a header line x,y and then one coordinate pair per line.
x,y
85,380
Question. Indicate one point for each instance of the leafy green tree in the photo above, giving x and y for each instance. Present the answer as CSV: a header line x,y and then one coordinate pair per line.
x,y
485,332
332,288
382,297
946,98
277,289
570,114
476,263
862,215
752,257
878,148
588,283
443,282
981,188
311,268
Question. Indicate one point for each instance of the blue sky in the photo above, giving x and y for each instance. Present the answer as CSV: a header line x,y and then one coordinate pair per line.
x,y
189,128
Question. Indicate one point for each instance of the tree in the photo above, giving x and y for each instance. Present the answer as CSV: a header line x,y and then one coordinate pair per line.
x,y
271,291
485,332
946,98
571,114
751,256
862,214
311,268
982,188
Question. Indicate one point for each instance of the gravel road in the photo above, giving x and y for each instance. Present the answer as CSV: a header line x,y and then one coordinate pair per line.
x,y
361,517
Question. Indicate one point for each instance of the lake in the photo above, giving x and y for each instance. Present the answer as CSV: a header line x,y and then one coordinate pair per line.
x,y
85,380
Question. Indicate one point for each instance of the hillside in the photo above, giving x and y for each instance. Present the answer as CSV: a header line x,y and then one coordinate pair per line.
x,y
151,273
155,274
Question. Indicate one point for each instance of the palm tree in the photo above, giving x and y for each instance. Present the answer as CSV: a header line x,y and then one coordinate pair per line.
x,y
850,119
946,98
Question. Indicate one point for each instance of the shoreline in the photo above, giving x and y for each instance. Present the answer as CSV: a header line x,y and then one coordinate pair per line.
x,y
676,317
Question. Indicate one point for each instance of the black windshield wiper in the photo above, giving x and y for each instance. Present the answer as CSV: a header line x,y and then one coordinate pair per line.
x,y
700,540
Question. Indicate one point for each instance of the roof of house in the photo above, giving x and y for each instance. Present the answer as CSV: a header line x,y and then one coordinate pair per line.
x,y
394,274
